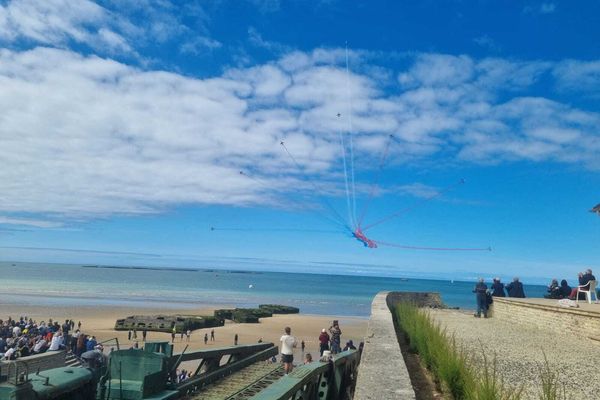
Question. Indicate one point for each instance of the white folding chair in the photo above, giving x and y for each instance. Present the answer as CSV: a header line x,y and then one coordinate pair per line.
x,y
591,290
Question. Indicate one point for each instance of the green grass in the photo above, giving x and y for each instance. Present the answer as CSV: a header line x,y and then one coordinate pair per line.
x,y
455,373
552,389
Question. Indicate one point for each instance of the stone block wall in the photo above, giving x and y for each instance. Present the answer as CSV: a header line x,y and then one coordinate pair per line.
x,y
569,321
420,299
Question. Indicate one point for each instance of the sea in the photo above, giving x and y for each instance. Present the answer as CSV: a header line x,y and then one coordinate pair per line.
x,y
36,284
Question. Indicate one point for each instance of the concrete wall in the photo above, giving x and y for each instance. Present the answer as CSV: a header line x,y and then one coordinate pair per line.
x,y
549,316
41,362
420,299
382,374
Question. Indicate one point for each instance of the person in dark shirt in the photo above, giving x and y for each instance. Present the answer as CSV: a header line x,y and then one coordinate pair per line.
x,y
588,276
498,288
565,289
584,281
515,289
553,290
323,341
480,291
3,346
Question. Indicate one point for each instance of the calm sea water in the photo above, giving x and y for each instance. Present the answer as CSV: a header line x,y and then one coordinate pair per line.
x,y
66,285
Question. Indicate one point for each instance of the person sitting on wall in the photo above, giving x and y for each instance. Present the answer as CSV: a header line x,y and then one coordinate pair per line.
x,y
565,289
498,288
515,289
584,284
553,290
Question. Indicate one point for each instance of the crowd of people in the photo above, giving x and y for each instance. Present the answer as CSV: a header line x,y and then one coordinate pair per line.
x,y
564,291
484,295
24,337
329,345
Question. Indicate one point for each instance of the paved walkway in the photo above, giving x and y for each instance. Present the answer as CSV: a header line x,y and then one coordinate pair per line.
x,y
382,374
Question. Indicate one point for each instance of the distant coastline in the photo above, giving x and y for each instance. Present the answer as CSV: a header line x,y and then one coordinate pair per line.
x,y
171,269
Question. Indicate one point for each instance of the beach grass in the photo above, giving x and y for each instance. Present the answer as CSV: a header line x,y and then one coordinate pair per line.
x,y
552,388
455,373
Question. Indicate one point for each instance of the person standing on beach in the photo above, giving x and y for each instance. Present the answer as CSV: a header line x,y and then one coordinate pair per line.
x,y
173,332
129,335
187,335
144,333
205,339
288,342
323,341
480,291
235,339
336,337
212,335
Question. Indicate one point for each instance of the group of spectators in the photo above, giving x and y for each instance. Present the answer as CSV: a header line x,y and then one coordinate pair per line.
x,y
329,344
564,291
332,340
24,337
484,296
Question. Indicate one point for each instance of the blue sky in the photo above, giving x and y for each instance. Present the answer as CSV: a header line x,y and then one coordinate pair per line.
x,y
124,127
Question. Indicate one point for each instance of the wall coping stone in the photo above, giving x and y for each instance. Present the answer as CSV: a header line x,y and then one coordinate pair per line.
x,y
548,307
382,374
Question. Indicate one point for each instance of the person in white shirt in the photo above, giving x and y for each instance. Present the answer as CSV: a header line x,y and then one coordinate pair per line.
x,y
56,342
39,346
9,353
288,342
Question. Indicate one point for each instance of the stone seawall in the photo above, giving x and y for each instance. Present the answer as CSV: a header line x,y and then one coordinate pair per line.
x,y
420,299
382,374
547,315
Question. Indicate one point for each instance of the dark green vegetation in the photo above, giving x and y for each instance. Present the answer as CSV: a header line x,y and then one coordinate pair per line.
x,y
454,371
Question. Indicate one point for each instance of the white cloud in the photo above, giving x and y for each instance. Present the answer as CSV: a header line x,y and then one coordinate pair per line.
x,y
438,70
84,136
578,75
29,222
56,22
487,42
419,190
542,8
199,44
547,8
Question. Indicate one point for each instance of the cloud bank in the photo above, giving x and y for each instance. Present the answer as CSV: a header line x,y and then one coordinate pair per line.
x,y
84,136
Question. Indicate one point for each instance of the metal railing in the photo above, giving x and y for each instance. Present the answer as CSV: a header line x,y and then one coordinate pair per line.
x,y
317,380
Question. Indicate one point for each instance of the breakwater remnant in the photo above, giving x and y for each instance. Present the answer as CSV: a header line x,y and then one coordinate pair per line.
x,y
181,323
252,315
166,323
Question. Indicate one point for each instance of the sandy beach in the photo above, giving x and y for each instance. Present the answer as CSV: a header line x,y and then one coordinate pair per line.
x,y
100,321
